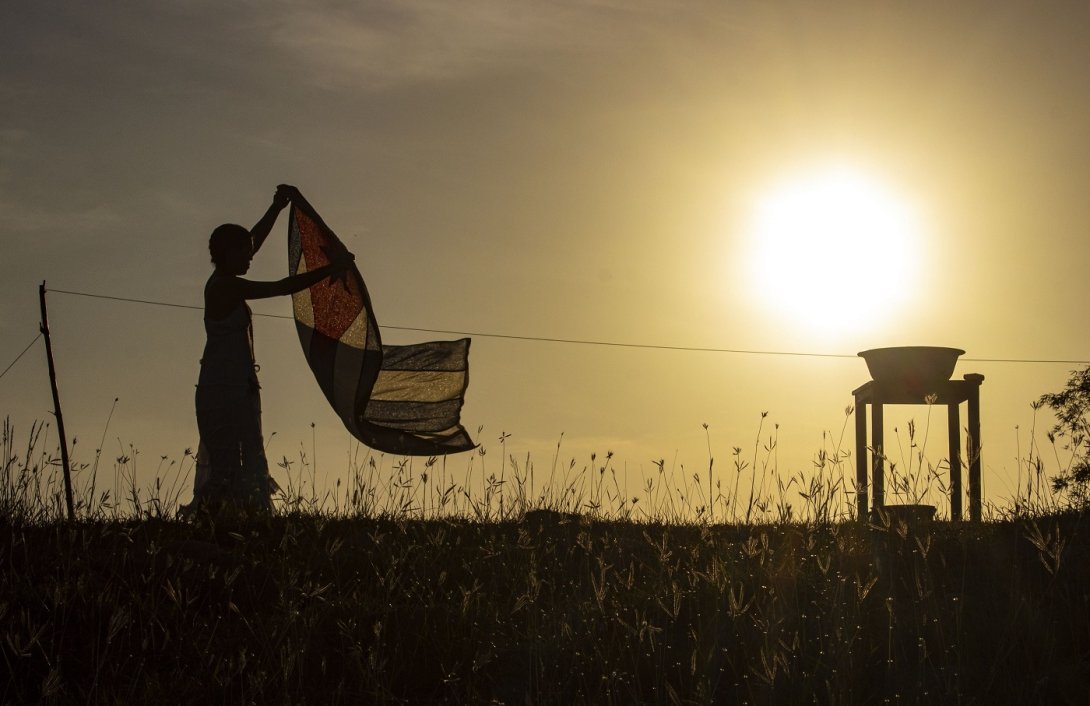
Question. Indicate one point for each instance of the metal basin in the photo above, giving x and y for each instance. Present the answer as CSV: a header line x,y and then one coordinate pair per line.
x,y
913,367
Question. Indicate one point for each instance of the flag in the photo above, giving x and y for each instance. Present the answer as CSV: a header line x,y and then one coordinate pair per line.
x,y
398,399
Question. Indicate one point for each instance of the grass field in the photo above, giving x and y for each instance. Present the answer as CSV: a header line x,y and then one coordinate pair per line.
x,y
554,596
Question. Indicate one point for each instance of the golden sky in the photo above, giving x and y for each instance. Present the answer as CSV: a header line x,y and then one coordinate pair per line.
x,y
577,170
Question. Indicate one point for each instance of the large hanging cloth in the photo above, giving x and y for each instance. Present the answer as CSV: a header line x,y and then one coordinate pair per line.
x,y
398,399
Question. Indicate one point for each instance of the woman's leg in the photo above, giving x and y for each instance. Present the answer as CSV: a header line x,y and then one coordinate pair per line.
x,y
220,432
257,485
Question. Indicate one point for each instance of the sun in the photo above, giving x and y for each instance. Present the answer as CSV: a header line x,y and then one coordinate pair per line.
x,y
832,250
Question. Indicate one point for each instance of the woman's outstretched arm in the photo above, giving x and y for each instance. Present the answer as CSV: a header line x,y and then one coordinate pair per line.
x,y
251,289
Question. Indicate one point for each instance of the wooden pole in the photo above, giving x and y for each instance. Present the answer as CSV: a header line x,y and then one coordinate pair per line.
x,y
57,406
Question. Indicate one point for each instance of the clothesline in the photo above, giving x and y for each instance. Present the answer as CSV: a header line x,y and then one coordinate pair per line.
x,y
578,341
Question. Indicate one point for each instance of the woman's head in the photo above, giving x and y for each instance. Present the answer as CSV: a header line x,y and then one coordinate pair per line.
x,y
229,244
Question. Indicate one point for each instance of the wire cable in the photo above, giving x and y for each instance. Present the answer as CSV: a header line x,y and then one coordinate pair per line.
x,y
578,341
12,365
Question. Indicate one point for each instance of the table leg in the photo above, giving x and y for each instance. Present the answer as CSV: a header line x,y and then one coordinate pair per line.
x,y
953,428
861,460
974,456
878,437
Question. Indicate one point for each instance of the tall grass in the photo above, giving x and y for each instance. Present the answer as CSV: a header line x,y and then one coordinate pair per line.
x,y
32,491
413,582
487,486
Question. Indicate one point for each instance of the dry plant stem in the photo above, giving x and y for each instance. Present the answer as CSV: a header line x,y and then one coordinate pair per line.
x,y
753,465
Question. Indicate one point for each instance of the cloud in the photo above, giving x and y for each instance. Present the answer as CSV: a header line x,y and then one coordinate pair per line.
x,y
434,40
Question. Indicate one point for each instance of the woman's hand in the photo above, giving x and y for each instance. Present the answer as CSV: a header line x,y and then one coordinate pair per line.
x,y
285,194
340,263
339,260
338,256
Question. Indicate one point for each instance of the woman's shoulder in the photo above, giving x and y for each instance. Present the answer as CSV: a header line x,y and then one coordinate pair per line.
x,y
222,295
220,282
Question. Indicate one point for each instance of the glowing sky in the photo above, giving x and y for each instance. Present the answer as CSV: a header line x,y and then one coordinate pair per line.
x,y
558,169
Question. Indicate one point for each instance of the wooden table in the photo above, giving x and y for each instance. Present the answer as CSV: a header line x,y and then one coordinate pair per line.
x,y
870,459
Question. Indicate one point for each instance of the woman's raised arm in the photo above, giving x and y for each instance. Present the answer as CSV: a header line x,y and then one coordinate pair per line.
x,y
283,196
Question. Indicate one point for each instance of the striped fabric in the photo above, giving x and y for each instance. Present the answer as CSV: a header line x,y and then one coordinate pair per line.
x,y
398,399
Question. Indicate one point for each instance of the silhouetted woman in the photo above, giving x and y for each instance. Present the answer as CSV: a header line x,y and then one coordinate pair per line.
x,y
231,467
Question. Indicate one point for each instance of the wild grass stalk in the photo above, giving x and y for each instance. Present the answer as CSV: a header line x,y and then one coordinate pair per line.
x,y
753,477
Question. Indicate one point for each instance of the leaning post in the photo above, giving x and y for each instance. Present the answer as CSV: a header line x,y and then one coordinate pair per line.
x,y
57,406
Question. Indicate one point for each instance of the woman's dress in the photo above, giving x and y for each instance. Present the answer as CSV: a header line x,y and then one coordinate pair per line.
x,y
231,464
